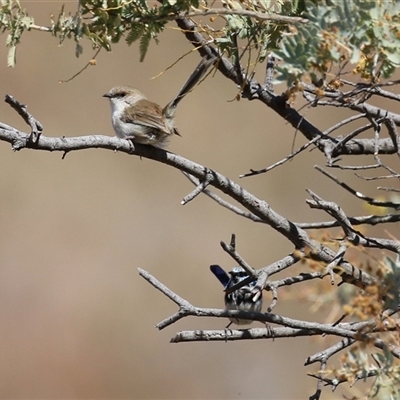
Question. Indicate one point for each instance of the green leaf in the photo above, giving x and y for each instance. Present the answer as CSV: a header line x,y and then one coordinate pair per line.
x,y
394,58
26,22
144,45
78,50
11,56
235,22
355,56
135,33
9,39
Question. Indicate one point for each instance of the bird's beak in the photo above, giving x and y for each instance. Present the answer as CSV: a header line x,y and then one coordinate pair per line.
x,y
107,95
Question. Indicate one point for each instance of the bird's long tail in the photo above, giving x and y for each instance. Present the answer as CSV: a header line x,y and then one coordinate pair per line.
x,y
194,79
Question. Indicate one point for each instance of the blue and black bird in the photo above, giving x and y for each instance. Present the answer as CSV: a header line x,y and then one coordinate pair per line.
x,y
244,298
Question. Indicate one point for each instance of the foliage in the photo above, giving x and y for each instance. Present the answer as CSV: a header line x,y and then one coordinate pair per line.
x,y
363,33
357,365
14,20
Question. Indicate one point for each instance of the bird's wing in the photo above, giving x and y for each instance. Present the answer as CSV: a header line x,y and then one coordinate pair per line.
x,y
147,114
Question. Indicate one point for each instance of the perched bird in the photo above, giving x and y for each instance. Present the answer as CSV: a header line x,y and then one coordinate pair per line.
x,y
137,119
244,298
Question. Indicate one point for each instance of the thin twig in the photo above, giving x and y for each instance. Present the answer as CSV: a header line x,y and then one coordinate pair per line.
x,y
278,163
329,352
352,235
355,167
231,250
224,203
198,189
369,200
343,123
91,62
388,189
363,220
349,137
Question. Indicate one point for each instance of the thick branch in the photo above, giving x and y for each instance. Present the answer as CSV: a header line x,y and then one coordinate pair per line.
x,y
256,206
346,330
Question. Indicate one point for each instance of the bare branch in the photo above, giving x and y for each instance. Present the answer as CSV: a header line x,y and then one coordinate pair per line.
x,y
324,355
337,148
308,328
278,163
254,205
394,135
231,250
352,331
269,73
39,28
239,334
352,235
336,261
163,289
388,189
224,203
343,123
368,219
198,189
355,167
292,280
22,110
369,200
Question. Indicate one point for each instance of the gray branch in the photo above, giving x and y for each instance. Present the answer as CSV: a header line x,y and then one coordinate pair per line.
x,y
257,207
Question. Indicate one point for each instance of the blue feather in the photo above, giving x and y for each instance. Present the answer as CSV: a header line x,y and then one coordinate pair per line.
x,y
221,275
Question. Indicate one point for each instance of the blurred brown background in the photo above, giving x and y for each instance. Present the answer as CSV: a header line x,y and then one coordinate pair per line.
x,y
76,319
